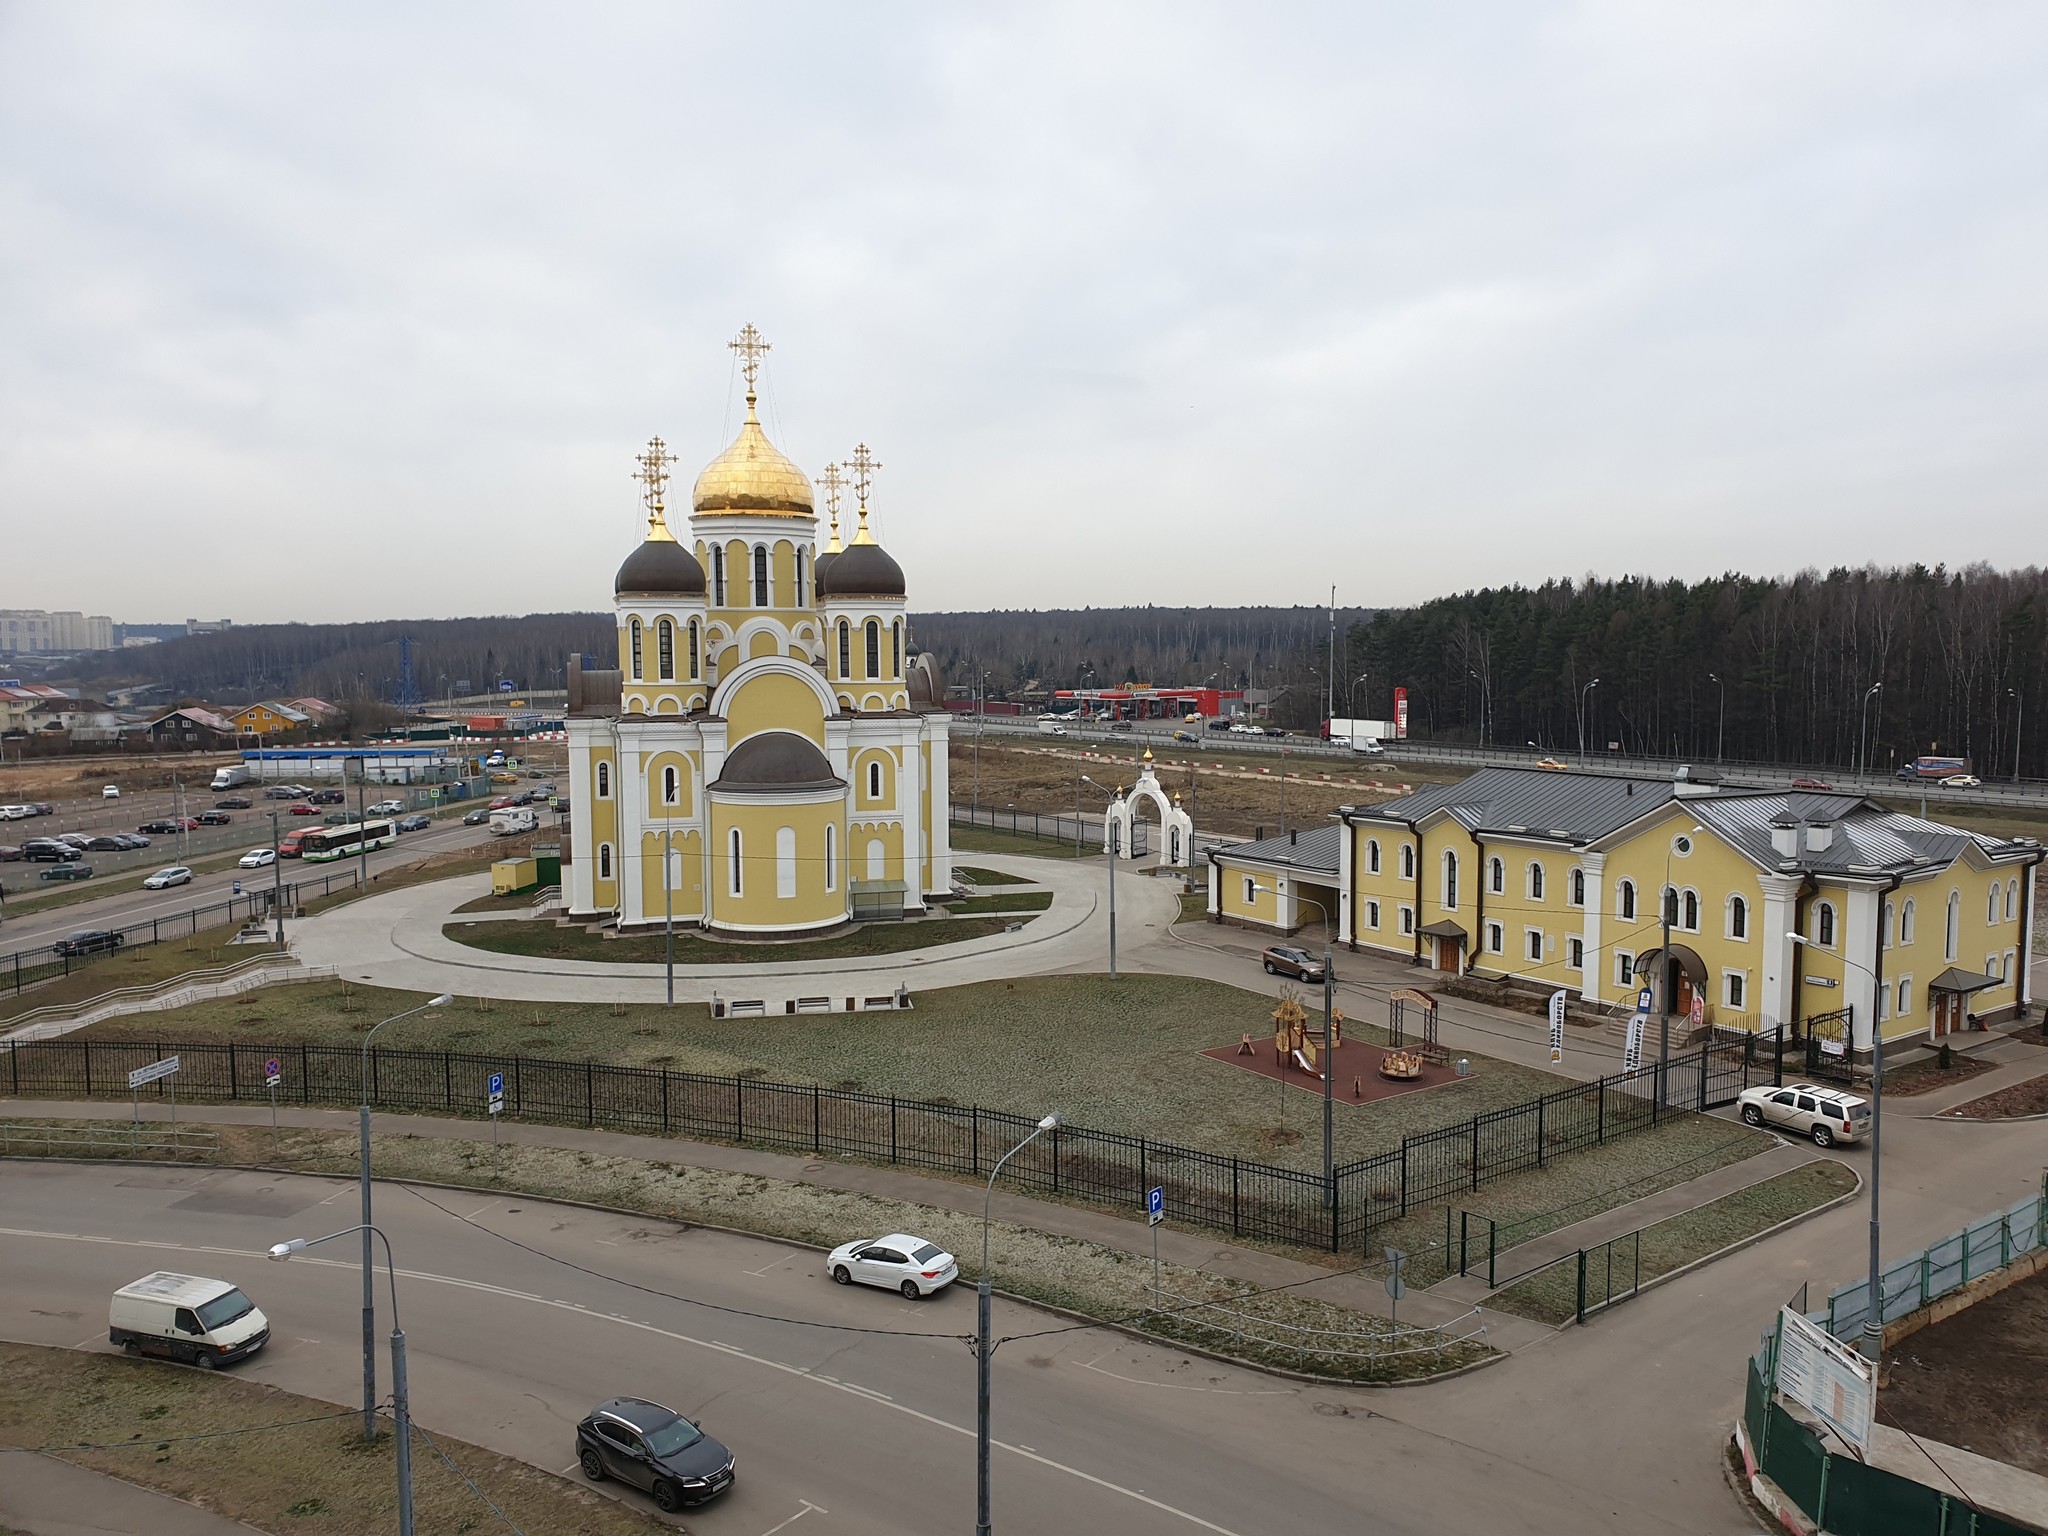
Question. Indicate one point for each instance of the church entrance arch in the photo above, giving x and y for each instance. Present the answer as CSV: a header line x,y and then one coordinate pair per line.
x,y
1176,827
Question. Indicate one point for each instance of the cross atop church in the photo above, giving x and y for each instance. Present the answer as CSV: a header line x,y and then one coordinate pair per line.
x,y
653,474
834,481
863,464
751,349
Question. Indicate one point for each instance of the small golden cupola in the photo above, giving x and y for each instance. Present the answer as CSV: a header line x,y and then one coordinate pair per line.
x,y
753,476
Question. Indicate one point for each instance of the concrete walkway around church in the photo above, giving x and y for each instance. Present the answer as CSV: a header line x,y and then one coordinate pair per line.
x,y
396,940
1190,1247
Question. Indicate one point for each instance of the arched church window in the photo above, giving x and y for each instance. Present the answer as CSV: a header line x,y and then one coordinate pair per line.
x,y
845,649
874,629
604,781
718,575
760,576
799,578
670,787
734,847
665,649
874,781
831,857
636,650
896,648
604,861
693,650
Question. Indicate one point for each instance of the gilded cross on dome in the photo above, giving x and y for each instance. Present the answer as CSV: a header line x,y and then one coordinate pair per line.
x,y
863,464
653,474
751,349
834,481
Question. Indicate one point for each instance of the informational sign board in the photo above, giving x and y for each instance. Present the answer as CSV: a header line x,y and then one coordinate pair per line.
x,y
1557,1025
152,1072
1825,1376
1155,1205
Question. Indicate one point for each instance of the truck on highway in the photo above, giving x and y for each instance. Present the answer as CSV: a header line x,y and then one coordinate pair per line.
x,y
1054,725
1359,735
1933,769
228,778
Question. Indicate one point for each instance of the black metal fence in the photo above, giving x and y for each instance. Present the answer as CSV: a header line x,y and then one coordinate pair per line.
x,y
26,967
1246,1199
1082,831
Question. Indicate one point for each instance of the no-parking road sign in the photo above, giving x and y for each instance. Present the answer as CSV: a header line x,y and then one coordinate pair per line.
x,y
273,1074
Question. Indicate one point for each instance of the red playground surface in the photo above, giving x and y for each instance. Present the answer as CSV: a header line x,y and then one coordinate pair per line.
x,y
1357,1078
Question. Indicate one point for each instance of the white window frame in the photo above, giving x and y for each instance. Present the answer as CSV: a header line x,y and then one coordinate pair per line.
x,y
1575,887
1251,891
604,779
1372,856
671,785
874,779
604,861
1497,875
1450,880
1407,921
831,857
1735,990
1625,895
1534,880
1624,968
1496,939
1407,861
735,851
1372,915
1689,905
1575,952
1736,903
1952,934
1826,924
1532,946
2012,898
1905,989
1907,914
1991,903
633,644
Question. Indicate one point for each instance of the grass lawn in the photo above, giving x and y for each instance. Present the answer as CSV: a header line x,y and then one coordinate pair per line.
x,y
1022,901
1194,906
1085,1277
512,901
1549,1295
141,966
543,940
1112,1056
310,1476
968,839
974,874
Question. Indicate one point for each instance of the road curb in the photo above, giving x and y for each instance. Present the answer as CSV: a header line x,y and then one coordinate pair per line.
x,y
1754,1238
1055,1308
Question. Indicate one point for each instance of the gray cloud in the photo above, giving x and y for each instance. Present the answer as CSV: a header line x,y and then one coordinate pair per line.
x,y
325,314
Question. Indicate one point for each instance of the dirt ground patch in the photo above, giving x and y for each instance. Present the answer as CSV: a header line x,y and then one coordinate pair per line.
x,y
544,940
63,778
132,1419
1974,1379
1926,1076
1237,792
2028,1098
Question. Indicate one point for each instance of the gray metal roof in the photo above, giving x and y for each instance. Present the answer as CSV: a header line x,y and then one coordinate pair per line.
x,y
1313,850
1534,802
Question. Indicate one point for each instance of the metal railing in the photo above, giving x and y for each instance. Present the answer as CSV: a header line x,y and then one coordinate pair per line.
x,y
265,970
1369,1340
21,1139
1216,1190
1943,1266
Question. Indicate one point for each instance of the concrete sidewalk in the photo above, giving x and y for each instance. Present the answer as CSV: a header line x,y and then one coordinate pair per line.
x,y
1188,1247
41,1496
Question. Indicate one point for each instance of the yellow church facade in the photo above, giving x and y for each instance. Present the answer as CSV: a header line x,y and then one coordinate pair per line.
x,y
768,757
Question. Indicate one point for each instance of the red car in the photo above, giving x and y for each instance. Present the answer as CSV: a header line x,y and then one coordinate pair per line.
x,y
1811,784
303,809
504,802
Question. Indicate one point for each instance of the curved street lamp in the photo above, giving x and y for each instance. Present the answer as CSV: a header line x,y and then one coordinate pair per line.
x,y
982,1346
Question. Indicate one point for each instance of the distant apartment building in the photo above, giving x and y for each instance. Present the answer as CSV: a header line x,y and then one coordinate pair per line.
x,y
37,631
207,626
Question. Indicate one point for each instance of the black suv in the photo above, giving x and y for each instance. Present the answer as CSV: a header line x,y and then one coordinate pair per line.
x,y
655,1448
160,828
87,941
329,797
232,803
46,850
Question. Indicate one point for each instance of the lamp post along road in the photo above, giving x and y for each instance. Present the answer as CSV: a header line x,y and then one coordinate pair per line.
x,y
983,1347
1116,844
401,1402
1329,1005
276,879
1721,727
1583,693
1863,730
369,1275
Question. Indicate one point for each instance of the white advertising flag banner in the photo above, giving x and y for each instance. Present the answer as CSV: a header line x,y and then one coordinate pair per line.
x,y
1557,1025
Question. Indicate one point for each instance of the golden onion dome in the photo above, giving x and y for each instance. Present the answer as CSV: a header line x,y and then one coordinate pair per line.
x,y
753,475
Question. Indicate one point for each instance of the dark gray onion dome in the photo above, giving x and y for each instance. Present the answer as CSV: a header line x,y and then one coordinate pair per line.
x,y
818,569
777,760
660,566
861,570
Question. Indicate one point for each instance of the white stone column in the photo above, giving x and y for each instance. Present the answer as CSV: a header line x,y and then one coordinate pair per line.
x,y
1780,954
1347,931
1594,977
1859,944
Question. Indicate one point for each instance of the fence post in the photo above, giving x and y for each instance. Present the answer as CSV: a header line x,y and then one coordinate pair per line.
x,y
1055,1160
892,1127
974,1143
234,1088
88,1069
816,1144
1404,1169
1236,1226
1492,1249
664,1101
1539,1129
1581,1313
448,1079
589,1093
1600,1120
518,1098
739,1109
1703,1078
1475,1154
305,1074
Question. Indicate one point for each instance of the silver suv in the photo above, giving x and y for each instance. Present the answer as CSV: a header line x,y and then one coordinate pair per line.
x,y
1827,1115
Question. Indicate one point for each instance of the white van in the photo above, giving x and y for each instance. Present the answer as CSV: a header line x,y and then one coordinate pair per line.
x,y
185,1317
228,778
1051,725
513,820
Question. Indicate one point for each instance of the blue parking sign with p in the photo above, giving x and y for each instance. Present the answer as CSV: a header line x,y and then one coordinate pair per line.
x,y
1155,1204
496,1085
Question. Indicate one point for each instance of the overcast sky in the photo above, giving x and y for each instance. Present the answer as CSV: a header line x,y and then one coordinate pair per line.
x,y
362,311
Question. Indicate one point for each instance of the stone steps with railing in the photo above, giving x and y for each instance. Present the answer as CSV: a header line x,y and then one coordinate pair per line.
x,y
174,992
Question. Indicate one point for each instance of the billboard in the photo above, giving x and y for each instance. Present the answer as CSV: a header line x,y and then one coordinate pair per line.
x,y
1401,714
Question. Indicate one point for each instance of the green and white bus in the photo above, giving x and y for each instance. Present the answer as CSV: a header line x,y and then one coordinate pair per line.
x,y
347,842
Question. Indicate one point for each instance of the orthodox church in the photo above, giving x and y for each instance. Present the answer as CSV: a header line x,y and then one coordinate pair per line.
x,y
768,757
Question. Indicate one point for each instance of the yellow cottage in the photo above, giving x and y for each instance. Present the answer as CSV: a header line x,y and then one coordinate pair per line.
x,y
767,725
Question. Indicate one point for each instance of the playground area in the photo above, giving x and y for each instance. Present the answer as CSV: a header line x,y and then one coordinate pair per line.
x,y
1359,1071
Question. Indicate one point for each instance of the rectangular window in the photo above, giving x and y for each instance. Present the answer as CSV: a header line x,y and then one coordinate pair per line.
x,y
1251,891
1905,996
1735,988
1372,914
733,850
1536,944
1407,921
1496,938
1624,969
785,862
1575,953
1372,855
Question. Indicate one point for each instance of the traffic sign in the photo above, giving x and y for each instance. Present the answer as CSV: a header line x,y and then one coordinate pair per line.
x,y
1155,1205
152,1072
496,1086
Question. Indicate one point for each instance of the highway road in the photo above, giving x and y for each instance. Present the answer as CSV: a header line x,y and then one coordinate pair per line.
x,y
127,903
838,1431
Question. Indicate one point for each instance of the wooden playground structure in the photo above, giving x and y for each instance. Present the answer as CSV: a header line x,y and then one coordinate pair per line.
x,y
1375,1072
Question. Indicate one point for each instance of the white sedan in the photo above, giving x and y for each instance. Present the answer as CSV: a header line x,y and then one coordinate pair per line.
x,y
177,874
898,1262
1962,781
257,858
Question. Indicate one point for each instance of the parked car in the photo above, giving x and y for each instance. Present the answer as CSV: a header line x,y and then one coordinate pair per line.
x,y
1826,1115
1550,765
201,1322
388,808
107,844
16,812
44,808
78,840
257,858
335,818
169,875
648,1446
131,840
213,818
68,872
419,821
87,941
284,792
1962,781
504,778
1811,784
1291,960
897,1262
329,797
504,802
1185,736
303,809
110,792
233,803
477,817
47,850
159,828
9,854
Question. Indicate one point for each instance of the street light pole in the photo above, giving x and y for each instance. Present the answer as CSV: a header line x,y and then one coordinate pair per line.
x,y
983,1346
1721,728
276,879
1329,1004
668,916
1863,731
363,1156
1583,692
1116,846
401,1400
2019,722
